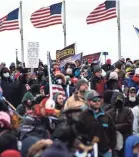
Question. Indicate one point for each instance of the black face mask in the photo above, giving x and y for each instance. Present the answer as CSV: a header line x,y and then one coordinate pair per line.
x,y
119,104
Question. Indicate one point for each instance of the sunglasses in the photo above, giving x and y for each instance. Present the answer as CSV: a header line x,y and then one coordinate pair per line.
x,y
97,99
133,92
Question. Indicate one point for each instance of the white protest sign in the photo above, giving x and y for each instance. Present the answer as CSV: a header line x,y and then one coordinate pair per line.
x,y
33,55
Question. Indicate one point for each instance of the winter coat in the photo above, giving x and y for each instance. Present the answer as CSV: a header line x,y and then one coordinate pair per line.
x,y
107,67
100,125
21,110
131,83
75,101
131,141
98,84
121,77
135,111
112,85
123,117
7,87
33,126
131,104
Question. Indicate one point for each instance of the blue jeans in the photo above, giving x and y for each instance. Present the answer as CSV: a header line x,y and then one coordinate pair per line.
x,y
108,154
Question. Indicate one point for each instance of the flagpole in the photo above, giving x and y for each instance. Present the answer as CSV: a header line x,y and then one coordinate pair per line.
x,y
119,29
49,74
16,53
21,34
64,24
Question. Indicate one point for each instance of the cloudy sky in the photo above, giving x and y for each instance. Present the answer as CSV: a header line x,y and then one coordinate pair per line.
x,y
89,39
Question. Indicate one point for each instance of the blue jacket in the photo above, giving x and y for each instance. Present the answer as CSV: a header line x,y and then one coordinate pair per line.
x,y
130,142
130,83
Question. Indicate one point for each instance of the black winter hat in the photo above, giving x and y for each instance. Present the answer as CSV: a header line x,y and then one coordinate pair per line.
x,y
97,68
81,82
118,65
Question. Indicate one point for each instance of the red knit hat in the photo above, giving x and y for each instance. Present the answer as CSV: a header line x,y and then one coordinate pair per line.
x,y
10,153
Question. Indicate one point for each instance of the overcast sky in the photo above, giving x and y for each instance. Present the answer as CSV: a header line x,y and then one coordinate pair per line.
x,y
94,38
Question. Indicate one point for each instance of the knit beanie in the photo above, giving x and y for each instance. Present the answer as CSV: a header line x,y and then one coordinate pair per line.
x,y
28,96
81,82
118,65
10,153
5,119
137,71
113,76
97,68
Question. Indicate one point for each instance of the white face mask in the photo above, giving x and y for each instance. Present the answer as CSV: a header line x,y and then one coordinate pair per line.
x,y
59,81
132,99
6,75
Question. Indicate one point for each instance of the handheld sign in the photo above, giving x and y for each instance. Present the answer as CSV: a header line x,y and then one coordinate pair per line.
x,y
33,55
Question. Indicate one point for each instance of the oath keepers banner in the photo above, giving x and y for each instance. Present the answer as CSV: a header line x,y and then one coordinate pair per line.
x,y
65,53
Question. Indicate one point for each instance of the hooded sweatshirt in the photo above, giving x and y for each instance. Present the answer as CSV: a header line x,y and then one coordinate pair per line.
x,y
122,117
131,141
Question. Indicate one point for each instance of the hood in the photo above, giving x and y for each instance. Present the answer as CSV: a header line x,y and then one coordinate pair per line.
x,y
27,143
131,141
117,96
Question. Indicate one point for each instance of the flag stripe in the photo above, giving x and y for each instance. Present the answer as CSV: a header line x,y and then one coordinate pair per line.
x,y
107,15
46,25
101,20
10,22
48,16
47,19
101,13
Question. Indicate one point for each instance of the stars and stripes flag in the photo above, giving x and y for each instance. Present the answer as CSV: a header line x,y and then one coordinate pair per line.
x,y
56,88
136,30
104,11
47,16
10,21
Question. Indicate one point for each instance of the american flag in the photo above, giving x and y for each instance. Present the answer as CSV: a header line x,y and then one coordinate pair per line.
x,y
104,11
47,16
55,87
136,30
10,21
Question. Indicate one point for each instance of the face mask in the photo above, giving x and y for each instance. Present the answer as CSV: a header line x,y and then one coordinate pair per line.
x,y
59,81
132,99
118,104
6,75
69,71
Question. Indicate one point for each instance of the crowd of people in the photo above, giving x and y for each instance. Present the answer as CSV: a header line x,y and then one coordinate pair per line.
x,y
95,104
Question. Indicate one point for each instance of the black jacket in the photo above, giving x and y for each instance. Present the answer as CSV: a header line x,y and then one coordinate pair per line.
x,y
107,67
100,125
131,104
123,117
112,85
